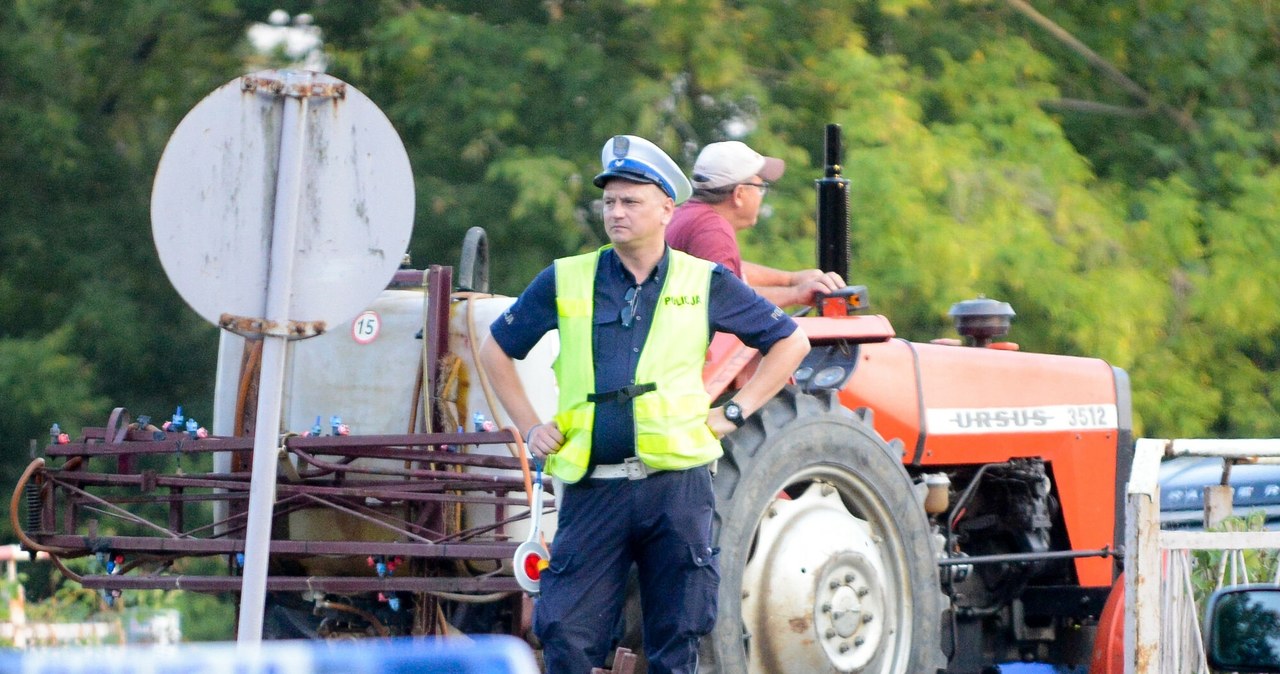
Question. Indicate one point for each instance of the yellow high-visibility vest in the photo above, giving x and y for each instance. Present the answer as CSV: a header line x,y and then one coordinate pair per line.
x,y
671,421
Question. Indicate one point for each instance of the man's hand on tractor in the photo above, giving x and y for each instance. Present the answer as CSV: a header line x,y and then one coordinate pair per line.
x,y
812,281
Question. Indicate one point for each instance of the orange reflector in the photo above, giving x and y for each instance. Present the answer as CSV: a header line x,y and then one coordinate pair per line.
x,y
833,306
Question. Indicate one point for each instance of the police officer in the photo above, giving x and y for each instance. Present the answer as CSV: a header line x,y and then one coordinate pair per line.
x,y
634,433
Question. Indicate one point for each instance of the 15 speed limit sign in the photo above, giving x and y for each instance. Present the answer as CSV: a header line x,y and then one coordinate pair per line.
x,y
365,327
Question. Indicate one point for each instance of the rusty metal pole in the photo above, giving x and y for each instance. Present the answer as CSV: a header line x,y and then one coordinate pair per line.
x,y
1142,560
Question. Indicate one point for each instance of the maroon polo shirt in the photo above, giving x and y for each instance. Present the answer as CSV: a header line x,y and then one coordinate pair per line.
x,y
700,231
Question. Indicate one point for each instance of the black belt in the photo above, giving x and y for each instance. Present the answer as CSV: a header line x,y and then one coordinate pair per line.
x,y
623,394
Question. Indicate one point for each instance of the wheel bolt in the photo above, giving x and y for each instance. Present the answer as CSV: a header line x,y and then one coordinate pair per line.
x,y
858,641
830,633
862,591
866,618
833,584
826,608
848,577
844,648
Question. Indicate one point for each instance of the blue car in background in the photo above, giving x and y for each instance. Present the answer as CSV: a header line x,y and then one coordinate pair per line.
x,y
1183,480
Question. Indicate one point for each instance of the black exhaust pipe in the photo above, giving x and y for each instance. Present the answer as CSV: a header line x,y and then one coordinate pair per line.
x,y
833,209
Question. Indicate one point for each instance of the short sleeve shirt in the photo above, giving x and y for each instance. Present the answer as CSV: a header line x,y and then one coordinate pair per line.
x,y
732,307
697,229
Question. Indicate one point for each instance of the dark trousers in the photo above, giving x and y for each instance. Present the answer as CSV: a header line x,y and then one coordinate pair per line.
x,y
663,525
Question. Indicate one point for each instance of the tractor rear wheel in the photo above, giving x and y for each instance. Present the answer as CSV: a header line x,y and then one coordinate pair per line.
x,y
825,555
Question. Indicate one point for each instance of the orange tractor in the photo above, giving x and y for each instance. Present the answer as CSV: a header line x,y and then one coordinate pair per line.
x,y
901,508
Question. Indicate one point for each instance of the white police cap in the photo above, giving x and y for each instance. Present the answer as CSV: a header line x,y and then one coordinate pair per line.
x,y
639,161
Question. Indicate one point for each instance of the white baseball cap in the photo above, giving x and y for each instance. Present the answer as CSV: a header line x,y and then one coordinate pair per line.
x,y
637,160
731,162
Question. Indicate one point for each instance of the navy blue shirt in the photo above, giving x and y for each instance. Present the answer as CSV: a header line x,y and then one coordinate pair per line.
x,y
733,307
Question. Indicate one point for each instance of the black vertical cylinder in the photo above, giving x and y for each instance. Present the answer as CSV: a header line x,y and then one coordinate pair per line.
x,y
833,209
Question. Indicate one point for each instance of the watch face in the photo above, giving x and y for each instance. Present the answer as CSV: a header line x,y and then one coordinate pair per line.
x,y
733,413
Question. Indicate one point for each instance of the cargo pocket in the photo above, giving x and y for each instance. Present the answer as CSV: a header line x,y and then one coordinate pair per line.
x,y
702,583
551,606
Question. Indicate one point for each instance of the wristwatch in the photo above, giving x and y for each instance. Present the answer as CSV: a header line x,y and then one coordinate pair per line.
x,y
733,412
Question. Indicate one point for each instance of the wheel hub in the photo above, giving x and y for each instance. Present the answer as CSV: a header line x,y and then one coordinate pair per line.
x,y
850,610
844,611
815,594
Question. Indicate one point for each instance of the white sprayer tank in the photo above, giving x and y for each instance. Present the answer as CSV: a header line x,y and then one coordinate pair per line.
x,y
365,373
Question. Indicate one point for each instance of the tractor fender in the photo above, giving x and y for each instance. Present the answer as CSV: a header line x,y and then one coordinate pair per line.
x,y
1108,648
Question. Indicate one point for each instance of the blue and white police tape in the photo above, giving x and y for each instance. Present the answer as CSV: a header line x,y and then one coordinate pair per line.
x,y
480,654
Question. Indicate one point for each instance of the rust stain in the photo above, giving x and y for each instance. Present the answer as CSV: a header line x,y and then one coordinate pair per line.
x,y
277,87
249,84
1145,657
256,328
799,625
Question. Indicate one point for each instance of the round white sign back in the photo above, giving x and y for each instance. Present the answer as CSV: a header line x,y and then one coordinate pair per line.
x,y
213,202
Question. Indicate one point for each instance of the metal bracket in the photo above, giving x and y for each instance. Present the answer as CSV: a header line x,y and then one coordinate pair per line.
x,y
293,86
257,328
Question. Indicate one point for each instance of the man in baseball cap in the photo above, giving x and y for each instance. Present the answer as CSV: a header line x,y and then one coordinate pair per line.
x,y
730,163
730,181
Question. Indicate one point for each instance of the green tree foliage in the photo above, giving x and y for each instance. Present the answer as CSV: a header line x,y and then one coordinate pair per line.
x,y
1120,200
42,379
89,93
